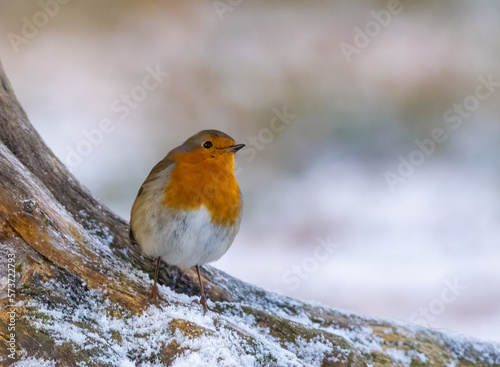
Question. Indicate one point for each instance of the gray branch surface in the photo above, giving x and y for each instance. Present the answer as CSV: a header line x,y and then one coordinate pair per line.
x,y
81,290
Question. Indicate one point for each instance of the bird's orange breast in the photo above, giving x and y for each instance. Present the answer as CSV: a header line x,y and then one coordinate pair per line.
x,y
198,180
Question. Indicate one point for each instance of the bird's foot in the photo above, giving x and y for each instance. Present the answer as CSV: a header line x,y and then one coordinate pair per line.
x,y
155,296
204,303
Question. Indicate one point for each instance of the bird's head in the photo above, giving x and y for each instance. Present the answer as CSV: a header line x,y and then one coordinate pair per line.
x,y
207,145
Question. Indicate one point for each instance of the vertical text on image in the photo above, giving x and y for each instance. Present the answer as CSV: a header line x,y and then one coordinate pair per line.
x,y
11,314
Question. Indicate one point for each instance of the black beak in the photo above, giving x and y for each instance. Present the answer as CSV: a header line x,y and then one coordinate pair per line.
x,y
234,148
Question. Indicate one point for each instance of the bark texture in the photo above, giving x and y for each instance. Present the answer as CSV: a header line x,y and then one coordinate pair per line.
x,y
81,289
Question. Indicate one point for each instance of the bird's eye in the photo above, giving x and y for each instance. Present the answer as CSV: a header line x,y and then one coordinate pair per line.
x,y
208,144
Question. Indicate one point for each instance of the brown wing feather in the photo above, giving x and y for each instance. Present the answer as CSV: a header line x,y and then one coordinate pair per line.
x,y
153,175
160,167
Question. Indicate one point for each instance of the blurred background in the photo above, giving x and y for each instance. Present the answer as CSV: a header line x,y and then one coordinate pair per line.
x,y
343,206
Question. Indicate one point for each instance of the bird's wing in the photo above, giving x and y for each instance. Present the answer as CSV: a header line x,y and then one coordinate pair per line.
x,y
164,164
160,167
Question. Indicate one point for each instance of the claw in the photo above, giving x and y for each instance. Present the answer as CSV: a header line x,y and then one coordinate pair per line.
x,y
204,303
155,296
203,299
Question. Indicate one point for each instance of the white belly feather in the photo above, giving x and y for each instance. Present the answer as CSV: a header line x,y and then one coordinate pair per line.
x,y
189,238
181,238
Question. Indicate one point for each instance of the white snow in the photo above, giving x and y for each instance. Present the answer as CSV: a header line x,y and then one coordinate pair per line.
x,y
224,341
404,357
32,362
232,338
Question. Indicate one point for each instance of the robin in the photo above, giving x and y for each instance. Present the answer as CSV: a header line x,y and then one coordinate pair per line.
x,y
188,211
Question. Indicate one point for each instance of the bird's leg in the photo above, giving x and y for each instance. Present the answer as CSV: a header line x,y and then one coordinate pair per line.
x,y
203,299
155,295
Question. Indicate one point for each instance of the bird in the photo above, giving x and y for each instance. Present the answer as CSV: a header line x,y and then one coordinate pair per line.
x,y
188,210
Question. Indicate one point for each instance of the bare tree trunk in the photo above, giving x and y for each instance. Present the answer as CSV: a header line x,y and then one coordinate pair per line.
x,y
74,290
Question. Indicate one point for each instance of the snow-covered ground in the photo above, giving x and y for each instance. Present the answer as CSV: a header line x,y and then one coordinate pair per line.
x,y
233,337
